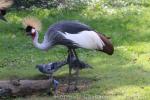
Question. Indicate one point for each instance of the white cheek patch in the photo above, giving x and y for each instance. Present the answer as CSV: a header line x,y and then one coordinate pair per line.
x,y
33,30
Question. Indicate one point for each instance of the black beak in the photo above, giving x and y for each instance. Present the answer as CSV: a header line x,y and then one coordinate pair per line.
x,y
2,18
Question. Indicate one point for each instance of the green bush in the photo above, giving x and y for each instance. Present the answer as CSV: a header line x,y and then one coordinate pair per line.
x,y
69,4
37,3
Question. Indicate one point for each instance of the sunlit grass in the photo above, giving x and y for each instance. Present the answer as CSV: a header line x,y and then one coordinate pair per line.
x,y
122,76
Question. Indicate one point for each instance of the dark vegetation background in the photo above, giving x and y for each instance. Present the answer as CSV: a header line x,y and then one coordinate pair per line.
x,y
48,3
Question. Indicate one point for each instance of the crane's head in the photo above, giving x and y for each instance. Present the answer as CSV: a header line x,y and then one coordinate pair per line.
x,y
31,25
4,4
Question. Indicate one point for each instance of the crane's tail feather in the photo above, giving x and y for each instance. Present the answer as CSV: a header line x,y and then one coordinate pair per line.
x,y
108,48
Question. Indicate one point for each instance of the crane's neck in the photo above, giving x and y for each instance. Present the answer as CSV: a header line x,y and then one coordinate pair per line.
x,y
44,45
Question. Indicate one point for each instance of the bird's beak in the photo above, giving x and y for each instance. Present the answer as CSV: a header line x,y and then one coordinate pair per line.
x,y
2,18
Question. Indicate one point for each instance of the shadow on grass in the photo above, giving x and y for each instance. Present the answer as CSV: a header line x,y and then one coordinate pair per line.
x,y
110,72
116,72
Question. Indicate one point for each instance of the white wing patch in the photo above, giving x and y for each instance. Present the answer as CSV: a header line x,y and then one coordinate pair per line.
x,y
86,39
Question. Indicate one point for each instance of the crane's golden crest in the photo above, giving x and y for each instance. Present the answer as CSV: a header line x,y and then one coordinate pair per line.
x,y
5,3
33,22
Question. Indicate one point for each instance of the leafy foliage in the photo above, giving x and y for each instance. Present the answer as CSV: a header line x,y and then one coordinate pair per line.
x,y
37,3
49,3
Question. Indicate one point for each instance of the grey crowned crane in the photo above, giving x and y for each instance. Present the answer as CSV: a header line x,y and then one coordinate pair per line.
x,y
4,4
71,34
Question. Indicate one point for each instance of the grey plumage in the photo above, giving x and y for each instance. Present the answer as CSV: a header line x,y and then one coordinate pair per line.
x,y
50,67
55,31
72,27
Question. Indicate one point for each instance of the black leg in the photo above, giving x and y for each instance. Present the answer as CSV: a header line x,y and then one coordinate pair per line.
x,y
76,79
73,62
77,70
70,70
69,79
75,53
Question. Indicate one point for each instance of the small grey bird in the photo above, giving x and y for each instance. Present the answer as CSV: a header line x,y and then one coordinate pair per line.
x,y
50,67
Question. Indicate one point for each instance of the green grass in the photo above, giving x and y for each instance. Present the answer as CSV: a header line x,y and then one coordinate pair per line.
x,y
123,76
